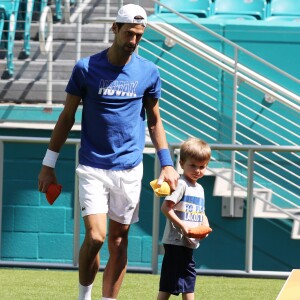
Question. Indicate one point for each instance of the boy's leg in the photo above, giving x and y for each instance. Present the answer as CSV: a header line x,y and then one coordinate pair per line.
x,y
163,295
116,267
188,296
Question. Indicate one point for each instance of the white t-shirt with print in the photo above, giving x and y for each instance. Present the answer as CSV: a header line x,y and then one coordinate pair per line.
x,y
190,208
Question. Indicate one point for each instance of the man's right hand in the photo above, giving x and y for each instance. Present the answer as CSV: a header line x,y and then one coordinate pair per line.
x,y
45,178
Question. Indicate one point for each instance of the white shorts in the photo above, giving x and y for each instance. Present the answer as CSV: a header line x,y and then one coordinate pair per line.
x,y
116,193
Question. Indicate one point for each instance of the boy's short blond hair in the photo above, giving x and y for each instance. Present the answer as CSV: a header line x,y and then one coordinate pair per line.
x,y
194,148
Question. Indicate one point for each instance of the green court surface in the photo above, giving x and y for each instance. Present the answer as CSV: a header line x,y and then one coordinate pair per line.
x,y
23,284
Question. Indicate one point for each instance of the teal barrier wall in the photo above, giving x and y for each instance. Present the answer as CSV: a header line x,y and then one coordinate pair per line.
x,y
275,42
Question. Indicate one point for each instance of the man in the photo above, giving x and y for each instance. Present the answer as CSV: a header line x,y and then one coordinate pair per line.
x,y
118,89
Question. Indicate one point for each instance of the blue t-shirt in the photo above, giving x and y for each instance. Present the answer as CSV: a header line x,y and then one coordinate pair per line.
x,y
113,115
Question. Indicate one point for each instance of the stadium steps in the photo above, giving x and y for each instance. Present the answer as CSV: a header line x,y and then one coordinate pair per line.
x,y
31,73
30,91
262,196
62,50
67,32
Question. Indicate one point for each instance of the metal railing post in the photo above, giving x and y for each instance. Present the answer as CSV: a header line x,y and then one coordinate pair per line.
x,y
156,216
1,191
249,220
78,32
49,74
46,46
155,222
233,136
76,239
106,25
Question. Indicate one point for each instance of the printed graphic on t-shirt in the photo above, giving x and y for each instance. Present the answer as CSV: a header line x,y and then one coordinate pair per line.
x,y
190,209
121,88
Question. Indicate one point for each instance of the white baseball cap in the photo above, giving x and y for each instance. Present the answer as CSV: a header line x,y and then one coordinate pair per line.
x,y
129,13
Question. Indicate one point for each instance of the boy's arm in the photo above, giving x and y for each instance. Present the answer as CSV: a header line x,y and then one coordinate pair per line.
x,y
168,211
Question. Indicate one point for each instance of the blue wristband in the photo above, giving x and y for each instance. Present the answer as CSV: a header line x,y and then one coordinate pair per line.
x,y
165,158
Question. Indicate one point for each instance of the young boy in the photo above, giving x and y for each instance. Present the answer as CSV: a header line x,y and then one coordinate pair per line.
x,y
184,210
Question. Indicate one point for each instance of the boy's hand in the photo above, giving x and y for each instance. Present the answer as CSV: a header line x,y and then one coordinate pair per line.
x,y
185,230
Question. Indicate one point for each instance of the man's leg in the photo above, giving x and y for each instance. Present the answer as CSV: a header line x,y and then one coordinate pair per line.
x,y
116,267
89,261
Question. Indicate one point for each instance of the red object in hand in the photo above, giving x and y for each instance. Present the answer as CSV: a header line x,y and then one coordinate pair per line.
x,y
53,192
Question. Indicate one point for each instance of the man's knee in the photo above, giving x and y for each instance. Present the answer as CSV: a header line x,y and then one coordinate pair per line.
x,y
95,226
118,239
95,240
118,247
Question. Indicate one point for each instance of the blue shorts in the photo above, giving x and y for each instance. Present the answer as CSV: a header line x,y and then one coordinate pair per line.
x,y
178,274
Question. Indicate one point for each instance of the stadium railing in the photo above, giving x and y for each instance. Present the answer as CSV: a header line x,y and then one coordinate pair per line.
x,y
9,9
24,24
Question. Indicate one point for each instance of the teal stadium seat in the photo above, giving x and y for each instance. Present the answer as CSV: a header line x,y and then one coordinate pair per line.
x,y
58,10
24,24
198,8
38,8
9,12
2,19
59,4
239,9
284,10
